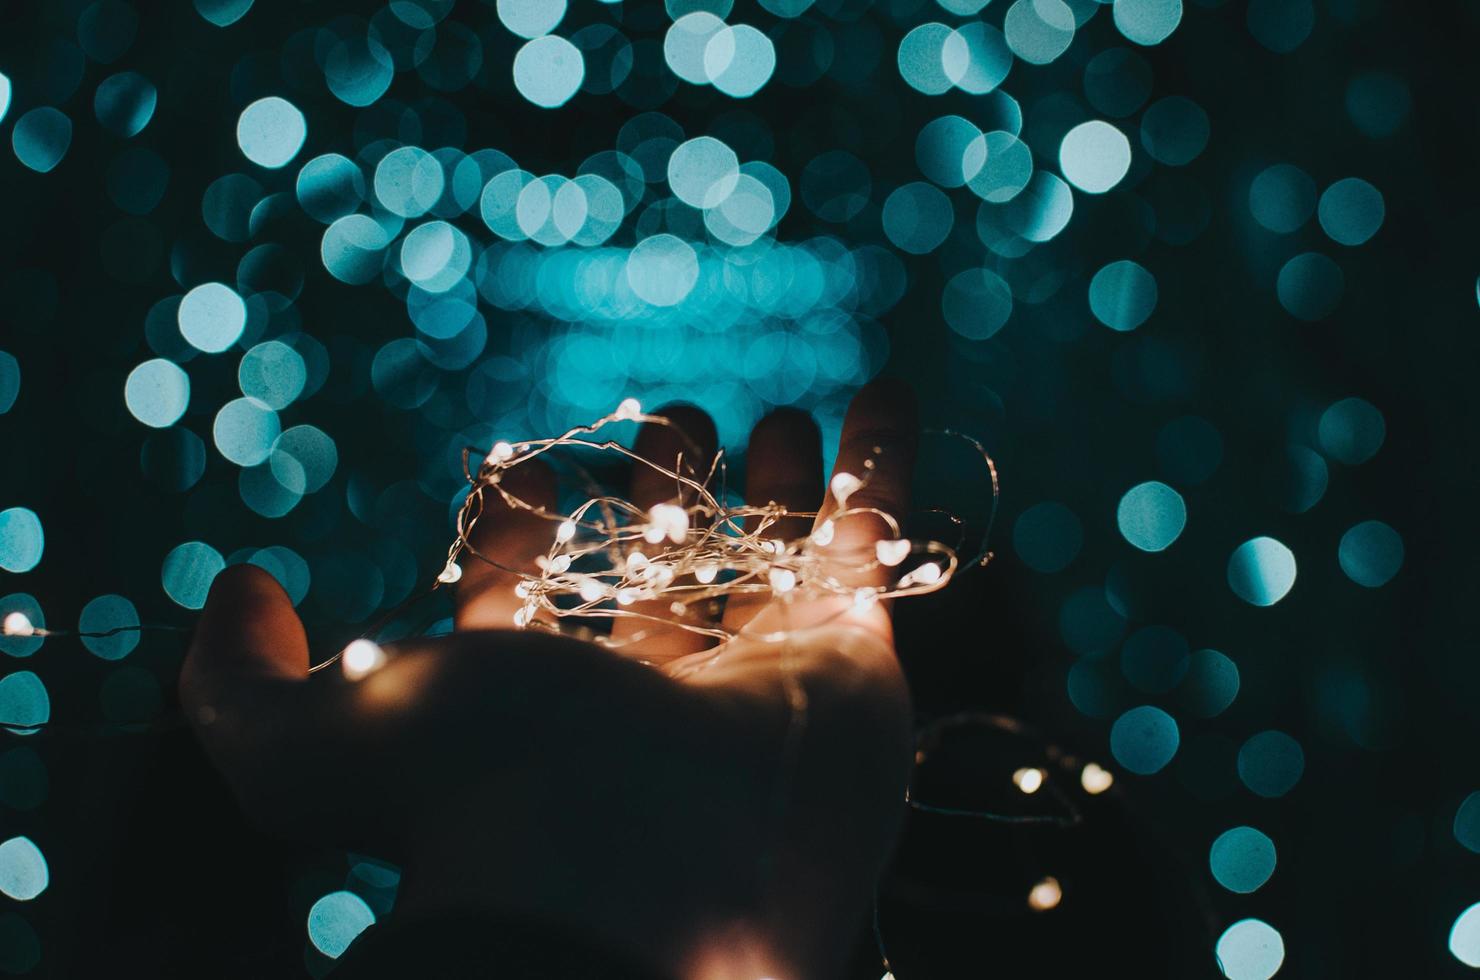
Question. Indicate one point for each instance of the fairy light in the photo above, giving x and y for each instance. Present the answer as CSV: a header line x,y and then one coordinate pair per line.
x,y
1045,895
1095,779
360,658
1028,779
17,624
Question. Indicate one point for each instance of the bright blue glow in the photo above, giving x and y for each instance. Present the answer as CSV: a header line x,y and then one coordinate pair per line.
x,y
358,70
109,612
1242,859
1147,22
21,539
23,871
746,213
1270,764
921,59
1351,431
271,131
212,317
998,166
1310,286
917,217
429,249
41,138
188,571
941,150
124,103
1122,295
499,203
684,44
24,703
1047,537
530,18
336,919
223,13
1042,210
976,303
548,71
1038,31
157,393
1151,516
312,451
1282,198
244,431
739,60
662,270
1144,739
976,57
4,95
409,181
1261,571
352,247
10,381
273,373
1250,949
1464,937
1094,156
703,171
1371,554
1351,211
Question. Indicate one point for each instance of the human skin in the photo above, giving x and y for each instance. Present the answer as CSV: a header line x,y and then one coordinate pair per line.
x,y
714,813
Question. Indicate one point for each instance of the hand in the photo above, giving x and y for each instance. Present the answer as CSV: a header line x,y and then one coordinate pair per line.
x,y
718,823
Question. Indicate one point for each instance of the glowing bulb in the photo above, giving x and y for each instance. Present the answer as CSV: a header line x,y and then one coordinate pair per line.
x,y
843,486
500,452
667,521
636,562
560,565
361,657
927,574
523,589
450,573
706,572
824,533
521,618
783,580
1045,895
627,597
629,410
891,553
17,624
592,590
1028,780
1095,780
565,532
678,609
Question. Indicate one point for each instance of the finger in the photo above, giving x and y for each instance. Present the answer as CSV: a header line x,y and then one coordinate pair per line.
x,y
504,543
783,466
687,446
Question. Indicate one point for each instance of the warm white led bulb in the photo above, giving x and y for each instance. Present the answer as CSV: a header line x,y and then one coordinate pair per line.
x,y
500,452
891,553
667,521
824,534
592,590
17,624
629,409
783,580
1029,779
1045,895
843,486
565,531
450,574
361,657
706,572
1095,780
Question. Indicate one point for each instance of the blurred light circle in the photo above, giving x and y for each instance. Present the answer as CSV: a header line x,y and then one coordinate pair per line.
x,y
976,303
1351,211
1174,130
244,431
917,217
921,59
1370,554
548,71
1147,22
739,60
5,88
21,539
1310,286
681,8
314,453
1122,295
1151,516
1047,537
530,18
604,210
212,317
685,42
427,249
23,871
1281,25
1144,739
1094,156
662,270
41,138
351,248
287,566
329,187
1378,103
273,373
1351,431
1282,198
1042,210
1464,937
26,605
105,614
941,150
1117,82
124,103
10,381
157,393
1242,859
335,920
703,171
746,214
271,131
188,571
998,166
223,13
226,207
408,181
1270,764
1211,684
1261,571
1250,950
265,493
358,70
976,58
1038,31
1299,479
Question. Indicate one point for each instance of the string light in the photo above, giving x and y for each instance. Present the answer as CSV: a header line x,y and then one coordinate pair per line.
x,y
1045,895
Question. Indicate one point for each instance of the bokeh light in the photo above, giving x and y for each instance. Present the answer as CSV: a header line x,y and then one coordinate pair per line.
x,y
1270,764
41,138
23,870
1242,859
1464,937
1370,553
1351,211
22,541
157,393
336,919
24,702
271,131
1151,516
1261,571
1144,739
110,614
1351,431
1250,949
1094,156
188,571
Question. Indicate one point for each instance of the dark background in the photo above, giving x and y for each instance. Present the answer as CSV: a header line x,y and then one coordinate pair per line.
x,y
152,871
